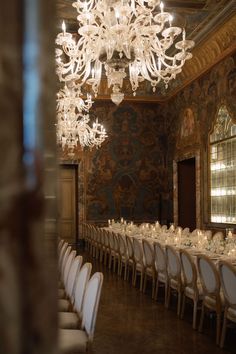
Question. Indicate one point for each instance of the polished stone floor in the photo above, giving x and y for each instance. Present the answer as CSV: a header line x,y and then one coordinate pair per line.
x,y
130,322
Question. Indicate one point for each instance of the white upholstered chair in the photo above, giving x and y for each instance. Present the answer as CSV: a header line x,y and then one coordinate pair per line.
x,y
77,341
212,298
138,262
228,282
65,273
114,251
66,304
174,275
191,287
130,251
161,269
123,261
61,255
72,319
149,266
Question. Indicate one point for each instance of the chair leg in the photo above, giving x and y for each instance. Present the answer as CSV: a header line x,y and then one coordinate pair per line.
x,y
141,281
166,293
125,272
183,307
101,255
135,277
201,318
195,314
153,286
218,325
144,283
179,302
156,290
110,260
114,264
168,297
222,340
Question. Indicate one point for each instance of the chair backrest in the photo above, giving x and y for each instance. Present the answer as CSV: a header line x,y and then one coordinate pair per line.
x,y
189,269
106,238
102,239
138,250
218,236
115,242
148,252
164,228
122,245
91,302
160,258
208,234
209,275
60,244
64,259
111,240
74,270
173,263
69,261
61,255
186,231
228,281
130,248
81,283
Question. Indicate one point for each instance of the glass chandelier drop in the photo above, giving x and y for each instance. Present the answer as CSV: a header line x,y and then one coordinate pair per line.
x,y
73,121
125,37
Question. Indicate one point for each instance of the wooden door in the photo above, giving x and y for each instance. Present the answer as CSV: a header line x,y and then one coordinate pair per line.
x,y
187,193
68,206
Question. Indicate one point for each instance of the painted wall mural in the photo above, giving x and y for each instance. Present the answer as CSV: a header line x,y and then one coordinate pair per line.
x,y
128,174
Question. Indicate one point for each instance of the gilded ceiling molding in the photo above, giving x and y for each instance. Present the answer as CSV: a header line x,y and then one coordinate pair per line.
x,y
218,46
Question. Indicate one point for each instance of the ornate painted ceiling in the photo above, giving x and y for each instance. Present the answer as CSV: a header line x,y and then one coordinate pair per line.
x,y
210,23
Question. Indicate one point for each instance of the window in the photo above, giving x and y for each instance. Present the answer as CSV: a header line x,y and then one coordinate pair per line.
x,y
223,169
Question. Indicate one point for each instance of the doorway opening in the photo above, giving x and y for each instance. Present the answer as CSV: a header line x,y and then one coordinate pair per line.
x,y
187,193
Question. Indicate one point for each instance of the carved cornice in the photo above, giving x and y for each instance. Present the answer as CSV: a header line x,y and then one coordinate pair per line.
x,y
221,44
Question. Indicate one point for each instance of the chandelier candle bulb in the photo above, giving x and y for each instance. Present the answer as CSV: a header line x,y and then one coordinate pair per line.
x,y
161,6
63,26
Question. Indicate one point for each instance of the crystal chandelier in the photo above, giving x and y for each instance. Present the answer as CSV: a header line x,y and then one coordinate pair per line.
x,y
126,37
73,121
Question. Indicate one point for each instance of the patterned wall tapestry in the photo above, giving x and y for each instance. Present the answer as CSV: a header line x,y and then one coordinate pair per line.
x,y
131,175
127,175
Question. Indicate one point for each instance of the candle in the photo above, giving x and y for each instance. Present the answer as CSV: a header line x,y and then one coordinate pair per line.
x,y
63,26
161,6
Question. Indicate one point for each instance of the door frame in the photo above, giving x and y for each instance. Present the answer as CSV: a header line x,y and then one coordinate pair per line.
x,y
196,155
75,165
